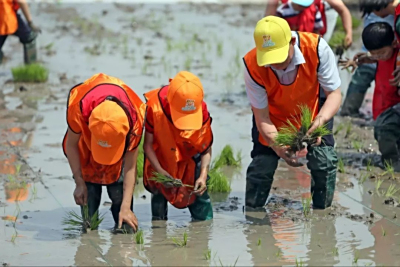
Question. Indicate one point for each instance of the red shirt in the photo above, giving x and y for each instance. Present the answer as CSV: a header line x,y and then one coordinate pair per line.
x,y
164,102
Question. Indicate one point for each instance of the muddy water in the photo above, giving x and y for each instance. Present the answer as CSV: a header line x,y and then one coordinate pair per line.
x,y
144,45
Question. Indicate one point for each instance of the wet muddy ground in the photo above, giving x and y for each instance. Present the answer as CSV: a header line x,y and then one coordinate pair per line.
x,y
144,45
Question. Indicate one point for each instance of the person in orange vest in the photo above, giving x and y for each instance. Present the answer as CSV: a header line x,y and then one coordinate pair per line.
x,y
379,40
11,23
105,121
302,15
178,143
285,70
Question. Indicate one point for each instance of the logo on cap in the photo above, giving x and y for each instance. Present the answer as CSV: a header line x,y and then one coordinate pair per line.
x,y
103,143
267,41
189,105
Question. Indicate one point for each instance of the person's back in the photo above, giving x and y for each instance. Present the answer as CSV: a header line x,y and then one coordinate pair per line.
x,y
302,16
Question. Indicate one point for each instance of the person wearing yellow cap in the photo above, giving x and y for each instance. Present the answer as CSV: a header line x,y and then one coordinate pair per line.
x,y
285,70
177,144
105,122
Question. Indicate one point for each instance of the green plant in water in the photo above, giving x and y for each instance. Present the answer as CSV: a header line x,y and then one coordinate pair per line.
x,y
139,237
259,242
335,251
188,63
356,257
378,184
181,242
306,201
391,191
167,180
369,165
278,254
220,49
339,128
299,263
357,145
35,73
207,254
227,158
363,178
218,182
383,231
349,128
75,222
33,193
341,165
295,139
388,169
234,264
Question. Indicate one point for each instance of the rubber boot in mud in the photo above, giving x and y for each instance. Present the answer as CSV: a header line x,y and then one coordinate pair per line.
x,y
322,163
30,52
159,207
352,104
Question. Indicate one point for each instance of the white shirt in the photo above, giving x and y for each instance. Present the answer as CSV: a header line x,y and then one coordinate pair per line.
x,y
286,10
328,74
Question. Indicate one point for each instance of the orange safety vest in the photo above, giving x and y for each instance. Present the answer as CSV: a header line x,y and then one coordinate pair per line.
x,y
175,150
284,100
8,17
91,170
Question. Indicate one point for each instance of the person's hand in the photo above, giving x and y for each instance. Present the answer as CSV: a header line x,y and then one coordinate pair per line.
x,y
396,77
348,41
286,155
348,63
318,121
200,186
34,27
165,173
127,216
80,194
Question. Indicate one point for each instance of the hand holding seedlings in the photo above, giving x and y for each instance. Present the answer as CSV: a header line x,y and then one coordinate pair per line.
x,y
167,180
286,154
127,216
318,122
80,193
200,186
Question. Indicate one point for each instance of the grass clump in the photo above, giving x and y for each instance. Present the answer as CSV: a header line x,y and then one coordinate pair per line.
x,y
391,191
388,169
357,145
75,222
207,254
339,128
306,202
299,263
227,158
218,182
181,242
259,242
167,180
296,139
139,239
378,184
32,73
341,165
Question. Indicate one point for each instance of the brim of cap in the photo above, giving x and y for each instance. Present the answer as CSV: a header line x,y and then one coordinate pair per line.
x,y
275,56
184,121
305,3
107,155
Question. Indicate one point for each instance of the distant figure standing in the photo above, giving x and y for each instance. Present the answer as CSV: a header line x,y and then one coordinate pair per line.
x,y
11,23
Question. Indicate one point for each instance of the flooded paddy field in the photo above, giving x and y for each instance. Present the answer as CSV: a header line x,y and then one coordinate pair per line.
x,y
145,45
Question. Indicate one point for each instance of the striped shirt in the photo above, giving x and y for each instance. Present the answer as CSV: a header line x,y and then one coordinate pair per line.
x,y
286,10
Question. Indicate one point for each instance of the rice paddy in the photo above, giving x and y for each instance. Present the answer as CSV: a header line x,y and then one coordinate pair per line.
x,y
228,158
77,222
167,180
33,73
218,182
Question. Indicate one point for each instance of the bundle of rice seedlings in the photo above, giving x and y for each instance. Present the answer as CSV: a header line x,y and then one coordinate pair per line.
x,y
227,158
218,182
139,237
76,222
166,180
298,139
30,73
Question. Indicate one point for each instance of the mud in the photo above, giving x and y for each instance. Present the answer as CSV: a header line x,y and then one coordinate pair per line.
x,y
144,45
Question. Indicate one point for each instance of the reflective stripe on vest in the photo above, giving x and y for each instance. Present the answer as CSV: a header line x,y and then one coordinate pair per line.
x,y
92,171
8,17
175,150
284,100
385,95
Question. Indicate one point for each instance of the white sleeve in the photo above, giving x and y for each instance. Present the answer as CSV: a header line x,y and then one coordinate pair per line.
x,y
318,24
255,93
328,74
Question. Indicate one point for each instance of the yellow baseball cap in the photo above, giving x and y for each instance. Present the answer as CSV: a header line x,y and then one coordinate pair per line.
x,y
272,36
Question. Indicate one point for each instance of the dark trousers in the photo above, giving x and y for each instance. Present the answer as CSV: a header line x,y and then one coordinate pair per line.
x,y
200,210
115,192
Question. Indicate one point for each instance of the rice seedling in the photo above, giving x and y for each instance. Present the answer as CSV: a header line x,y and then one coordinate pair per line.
x,y
207,254
296,139
35,73
383,231
17,169
299,263
335,251
188,63
339,128
259,242
388,169
349,128
369,165
14,236
125,49
234,264
391,191
378,184
181,242
356,257
33,193
166,180
227,158
220,49
75,222
306,202
357,145
218,182
363,178
278,254
139,237
341,165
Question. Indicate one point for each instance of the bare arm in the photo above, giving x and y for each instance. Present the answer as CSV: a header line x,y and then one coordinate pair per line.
x,y
150,153
264,124
130,174
72,150
272,5
25,10
344,13
205,163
